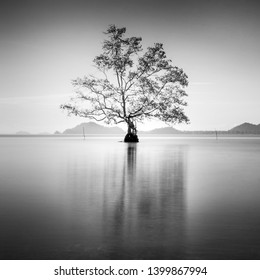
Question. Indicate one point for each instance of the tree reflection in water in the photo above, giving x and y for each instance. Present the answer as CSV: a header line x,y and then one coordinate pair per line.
x,y
147,218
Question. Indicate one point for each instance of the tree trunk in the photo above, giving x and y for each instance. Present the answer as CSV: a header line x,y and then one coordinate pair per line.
x,y
131,135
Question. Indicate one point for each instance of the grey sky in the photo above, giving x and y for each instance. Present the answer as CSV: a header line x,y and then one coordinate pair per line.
x,y
45,44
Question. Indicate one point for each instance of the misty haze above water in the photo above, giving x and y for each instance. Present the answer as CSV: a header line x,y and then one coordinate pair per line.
x,y
163,198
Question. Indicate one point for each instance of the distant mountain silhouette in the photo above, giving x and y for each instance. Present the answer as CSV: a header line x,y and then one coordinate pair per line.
x,y
246,128
93,128
163,130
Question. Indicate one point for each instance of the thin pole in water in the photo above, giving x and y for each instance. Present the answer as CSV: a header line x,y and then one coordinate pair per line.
x,y
216,134
84,133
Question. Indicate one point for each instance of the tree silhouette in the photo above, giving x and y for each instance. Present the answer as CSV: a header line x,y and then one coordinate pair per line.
x,y
136,85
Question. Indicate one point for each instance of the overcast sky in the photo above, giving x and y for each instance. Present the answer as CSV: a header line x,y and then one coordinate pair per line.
x,y
45,44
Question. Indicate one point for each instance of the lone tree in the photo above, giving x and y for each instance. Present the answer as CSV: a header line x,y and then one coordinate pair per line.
x,y
135,85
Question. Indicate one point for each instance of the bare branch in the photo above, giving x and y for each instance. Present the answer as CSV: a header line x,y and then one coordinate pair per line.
x,y
146,85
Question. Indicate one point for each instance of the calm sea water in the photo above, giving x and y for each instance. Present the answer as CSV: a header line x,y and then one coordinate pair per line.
x,y
162,198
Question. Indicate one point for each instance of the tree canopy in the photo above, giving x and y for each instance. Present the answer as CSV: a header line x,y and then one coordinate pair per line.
x,y
134,84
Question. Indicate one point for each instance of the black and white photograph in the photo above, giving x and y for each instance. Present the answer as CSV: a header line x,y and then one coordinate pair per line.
x,y
130,130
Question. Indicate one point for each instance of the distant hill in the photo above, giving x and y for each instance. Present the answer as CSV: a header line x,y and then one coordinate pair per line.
x,y
246,128
93,128
163,130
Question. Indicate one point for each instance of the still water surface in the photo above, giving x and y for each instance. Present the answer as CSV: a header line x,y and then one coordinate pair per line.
x,y
163,198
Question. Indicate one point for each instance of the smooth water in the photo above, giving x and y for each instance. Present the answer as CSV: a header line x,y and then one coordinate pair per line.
x,y
162,198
